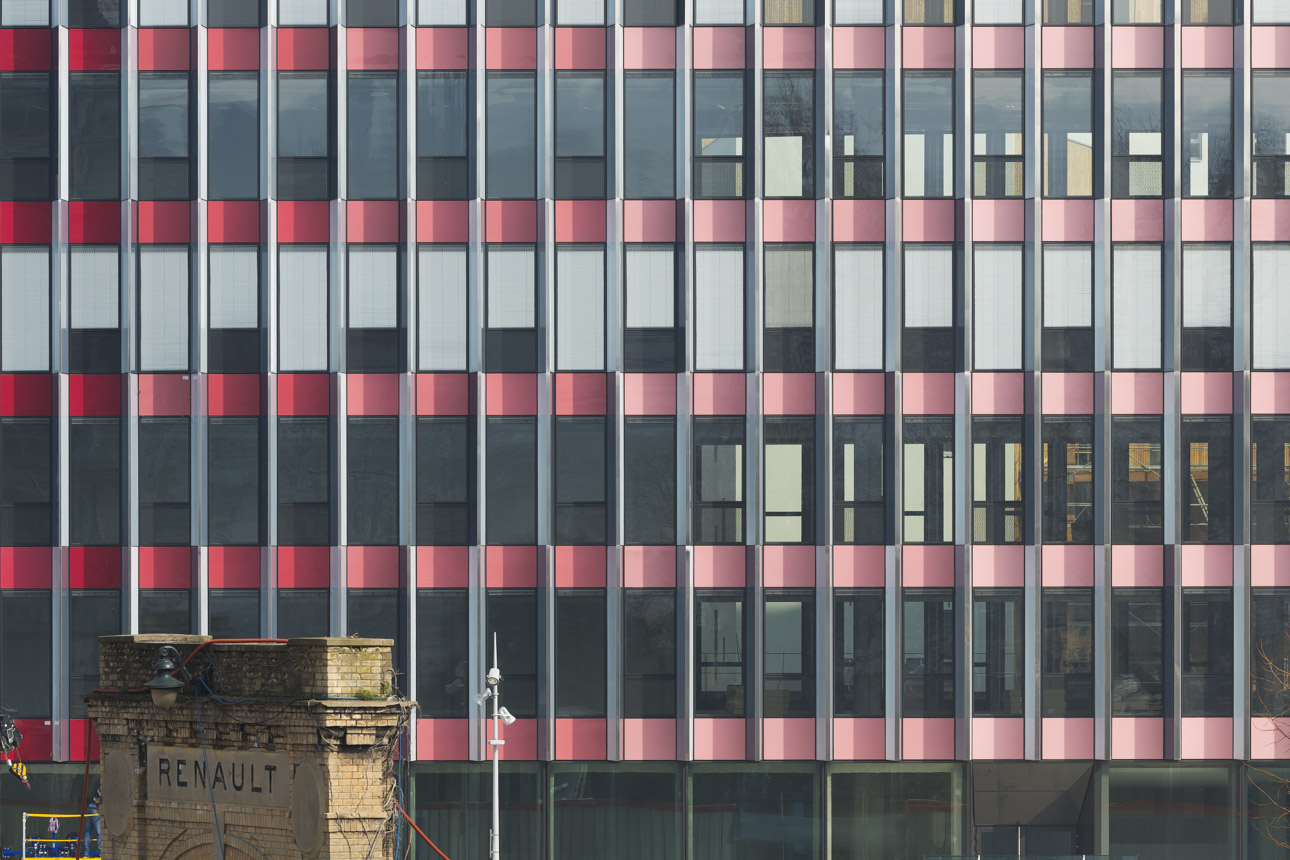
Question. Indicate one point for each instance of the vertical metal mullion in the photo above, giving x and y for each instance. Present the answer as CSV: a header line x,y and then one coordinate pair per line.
x,y
893,295
1242,317
1102,403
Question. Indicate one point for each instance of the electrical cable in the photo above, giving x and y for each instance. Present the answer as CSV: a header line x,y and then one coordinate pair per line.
x,y
219,834
419,830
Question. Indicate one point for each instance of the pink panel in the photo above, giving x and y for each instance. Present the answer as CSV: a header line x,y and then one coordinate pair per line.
x,y
372,566
859,739
788,393
649,394
164,393
859,566
579,47
1067,394
1269,393
89,221
233,566
998,737
580,567
929,220
927,566
443,394
1269,565
788,47
998,393
998,566
580,393
510,566
1068,220
928,393
76,731
1068,48
510,221
233,50
718,48
1067,566
999,220
649,740
998,47
1137,737
859,393
26,567
1268,738
649,48
520,737
510,48
859,220
788,220
233,221
649,567
1138,47
304,394
1067,737
443,566
1137,566
372,48
718,393
443,47
304,566
718,220
443,221
1270,47
1206,220
304,221
511,394
649,220
788,739
26,222
1207,47
1207,393
927,739
38,735
1206,737
859,47
1206,565
1270,219
303,48
719,567
373,394
579,220
372,221
444,740
1137,220
89,566
163,50
928,47
718,739
165,567
788,566
164,221
1137,393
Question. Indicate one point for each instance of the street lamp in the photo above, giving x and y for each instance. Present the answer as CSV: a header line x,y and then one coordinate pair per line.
x,y
492,690
165,686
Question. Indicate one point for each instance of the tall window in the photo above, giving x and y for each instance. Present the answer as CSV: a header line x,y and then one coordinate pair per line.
x,y
1271,306
928,654
94,488
235,488
26,462
233,150
929,481
1207,649
304,482
375,336
859,134
372,491
929,133
163,307
1270,129
305,122
719,307
1137,652
651,13
581,490
649,652
442,305
1068,308
510,13
511,480
998,468
1069,479
651,339
998,652
718,497
1137,481
443,134
304,612
1206,471
789,677
997,309
1137,307
24,13
719,132
1137,133
372,156
233,343
25,627
24,307
94,135
789,339
788,126
373,612
165,610
234,13
649,133
93,13
930,341
998,125
1067,653
858,307
1068,132
163,134
233,613
1207,307
1207,133
510,338
446,481
443,653
859,675
372,13
790,480
302,308
580,652
649,480
580,307
859,480
164,472
1269,651
26,130
511,141
94,342
91,614
719,652
1270,479
579,135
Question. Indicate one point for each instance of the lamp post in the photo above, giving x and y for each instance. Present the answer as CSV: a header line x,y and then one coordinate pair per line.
x,y
492,690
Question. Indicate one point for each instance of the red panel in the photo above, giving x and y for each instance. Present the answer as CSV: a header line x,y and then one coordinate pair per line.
x,y
444,394
443,740
307,48
165,50
443,566
94,394
304,394
24,223
579,48
372,567
235,50
510,221
26,567
443,221
233,394
373,220
164,221
373,394
443,47
580,393
94,567
580,739
165,567
510,48
26,50
233,567
510,566
26,394
304,221
76,745
233,221
37,739
164,394
511,394
304,567
93,222
580,567
579,220
372,48
94,50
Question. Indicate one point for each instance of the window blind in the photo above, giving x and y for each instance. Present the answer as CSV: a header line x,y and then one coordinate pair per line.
x,y
1068,286
857,12
441,13
858,307
996,12
1271,307
234,286
511,286
580,12
24,13
790,287
302,308
441,307
580,307
1207,286
163,13
997,283
373,286
719,307
718,12
1136,307
302,13
24,309
94,277
1271,12
163,307
651,286
929,286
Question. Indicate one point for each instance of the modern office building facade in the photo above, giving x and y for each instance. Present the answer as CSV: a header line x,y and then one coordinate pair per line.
x,y
864,425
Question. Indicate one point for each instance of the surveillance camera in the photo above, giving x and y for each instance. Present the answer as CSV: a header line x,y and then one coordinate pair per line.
x,y
494,677
483,697
506,716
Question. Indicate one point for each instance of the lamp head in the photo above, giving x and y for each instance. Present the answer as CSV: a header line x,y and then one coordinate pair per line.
x,y
483,697
164,686
507,716
494,677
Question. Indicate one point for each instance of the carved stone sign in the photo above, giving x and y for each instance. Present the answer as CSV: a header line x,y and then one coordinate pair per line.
x,y
237,777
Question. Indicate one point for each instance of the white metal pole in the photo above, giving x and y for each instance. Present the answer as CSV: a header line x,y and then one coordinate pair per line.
x,y
495,848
